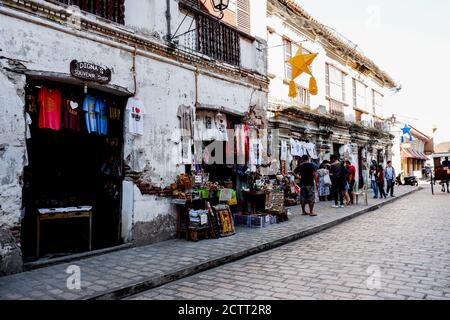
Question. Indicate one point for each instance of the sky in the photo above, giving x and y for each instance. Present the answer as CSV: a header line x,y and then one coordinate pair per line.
x,y
410,40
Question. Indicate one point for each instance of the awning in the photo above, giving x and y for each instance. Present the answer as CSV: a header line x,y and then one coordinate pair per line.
x,y
413,154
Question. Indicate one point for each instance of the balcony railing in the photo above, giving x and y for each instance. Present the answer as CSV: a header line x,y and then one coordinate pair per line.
x,y
337,108
212,37
113,10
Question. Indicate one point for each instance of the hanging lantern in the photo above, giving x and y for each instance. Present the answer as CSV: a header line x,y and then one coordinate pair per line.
x,y
220,5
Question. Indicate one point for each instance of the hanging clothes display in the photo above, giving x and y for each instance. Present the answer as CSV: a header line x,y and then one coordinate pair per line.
x,y
90,113
210,126
50,109
284,150
311,150
136,111
241,143
102,116
71,115
28,123
186,115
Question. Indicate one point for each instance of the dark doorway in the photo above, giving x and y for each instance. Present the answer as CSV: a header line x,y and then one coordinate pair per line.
x,y
71,168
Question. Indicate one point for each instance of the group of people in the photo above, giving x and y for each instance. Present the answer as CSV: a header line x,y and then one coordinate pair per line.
x,y
337,179
378,176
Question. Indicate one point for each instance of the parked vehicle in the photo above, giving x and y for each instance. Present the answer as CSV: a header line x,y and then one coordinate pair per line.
x,y
406,181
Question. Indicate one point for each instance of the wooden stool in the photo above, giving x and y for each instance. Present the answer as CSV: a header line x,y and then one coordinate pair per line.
x,y
196,233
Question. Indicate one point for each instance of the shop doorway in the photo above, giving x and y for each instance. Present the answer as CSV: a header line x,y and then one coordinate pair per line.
x,y
75,170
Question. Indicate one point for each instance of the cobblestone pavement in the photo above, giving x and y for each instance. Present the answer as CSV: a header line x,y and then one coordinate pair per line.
x,y
108,273
401,251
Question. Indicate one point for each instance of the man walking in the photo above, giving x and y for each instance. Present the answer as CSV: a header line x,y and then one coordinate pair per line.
x,y
307,174
373,179
351,178
389,174
337,179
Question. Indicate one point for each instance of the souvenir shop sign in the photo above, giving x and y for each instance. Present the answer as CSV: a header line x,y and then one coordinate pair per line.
x,y
90,71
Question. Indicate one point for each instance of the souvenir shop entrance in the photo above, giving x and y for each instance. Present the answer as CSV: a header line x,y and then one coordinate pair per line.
x,y
72,184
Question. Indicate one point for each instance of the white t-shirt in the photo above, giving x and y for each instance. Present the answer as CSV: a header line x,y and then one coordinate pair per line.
x,y
135,110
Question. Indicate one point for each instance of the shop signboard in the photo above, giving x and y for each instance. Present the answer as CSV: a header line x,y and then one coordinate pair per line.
x,y
89,71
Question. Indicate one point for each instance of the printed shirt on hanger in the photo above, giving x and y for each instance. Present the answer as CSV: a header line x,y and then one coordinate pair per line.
x,y
50,113
102,116
91,110
135,108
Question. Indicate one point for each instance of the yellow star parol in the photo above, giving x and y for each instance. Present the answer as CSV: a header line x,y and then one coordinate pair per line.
x,y
301,63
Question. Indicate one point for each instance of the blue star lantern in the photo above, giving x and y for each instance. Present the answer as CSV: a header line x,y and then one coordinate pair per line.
x,y
406,131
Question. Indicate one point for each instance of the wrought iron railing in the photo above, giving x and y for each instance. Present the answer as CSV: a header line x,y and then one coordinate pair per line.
x,y
211,37
113,10
217,40
337,108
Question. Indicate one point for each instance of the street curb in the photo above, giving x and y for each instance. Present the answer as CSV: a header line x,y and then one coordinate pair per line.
x,y
154,282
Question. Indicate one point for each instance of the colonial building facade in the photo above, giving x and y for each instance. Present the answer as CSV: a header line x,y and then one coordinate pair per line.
x,y
346,118
148,62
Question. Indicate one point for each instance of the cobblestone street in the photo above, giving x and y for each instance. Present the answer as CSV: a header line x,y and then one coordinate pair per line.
x,y
401,251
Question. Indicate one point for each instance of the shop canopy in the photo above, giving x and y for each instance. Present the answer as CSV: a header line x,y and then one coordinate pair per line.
x,y
413,154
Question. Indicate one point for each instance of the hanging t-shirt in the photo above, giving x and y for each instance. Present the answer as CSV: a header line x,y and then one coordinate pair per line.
x,y
28,123
102,116
221,125
135,109
90,115
50,113
71,115
186,115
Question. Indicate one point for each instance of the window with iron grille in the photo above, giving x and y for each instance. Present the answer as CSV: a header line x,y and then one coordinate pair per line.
x,y
113,10
217,40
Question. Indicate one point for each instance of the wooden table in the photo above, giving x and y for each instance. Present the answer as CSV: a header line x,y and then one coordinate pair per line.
x,y
62,214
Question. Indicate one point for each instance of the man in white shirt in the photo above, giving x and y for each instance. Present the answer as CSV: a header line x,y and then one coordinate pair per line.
x,y
389,174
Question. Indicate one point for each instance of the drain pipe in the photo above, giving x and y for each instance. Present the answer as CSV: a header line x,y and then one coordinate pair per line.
x,y
169,21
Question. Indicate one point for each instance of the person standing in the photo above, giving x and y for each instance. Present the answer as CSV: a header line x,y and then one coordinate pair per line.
x,y
389,174
307,174
380,182
337,182
351,178
373,180
323,187
446,164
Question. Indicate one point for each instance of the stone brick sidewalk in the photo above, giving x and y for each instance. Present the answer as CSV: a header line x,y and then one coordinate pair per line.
x,y
123,273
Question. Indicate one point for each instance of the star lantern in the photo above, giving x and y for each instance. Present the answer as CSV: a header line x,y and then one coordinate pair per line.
x,y
406,131
301,63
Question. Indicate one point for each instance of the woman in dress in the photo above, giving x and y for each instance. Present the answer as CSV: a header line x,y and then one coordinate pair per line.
x,y
323,187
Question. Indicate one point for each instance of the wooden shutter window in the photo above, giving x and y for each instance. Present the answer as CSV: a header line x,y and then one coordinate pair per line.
x,y
243,15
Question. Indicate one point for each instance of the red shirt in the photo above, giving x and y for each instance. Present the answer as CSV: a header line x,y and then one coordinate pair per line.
x,y
351,173
50,113
380,176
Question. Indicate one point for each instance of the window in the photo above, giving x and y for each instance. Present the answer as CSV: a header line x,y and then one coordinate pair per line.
x,y
359,94
290,49
303,97
335,80
113,10
243,15
377,103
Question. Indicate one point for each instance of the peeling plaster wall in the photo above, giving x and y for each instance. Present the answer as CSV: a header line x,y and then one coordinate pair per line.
x,y
162,86
12,147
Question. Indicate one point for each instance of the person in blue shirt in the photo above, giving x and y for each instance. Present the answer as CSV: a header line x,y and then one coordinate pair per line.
x,y
389,174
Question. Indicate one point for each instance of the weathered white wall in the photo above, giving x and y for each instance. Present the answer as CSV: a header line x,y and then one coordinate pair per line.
x,y
12,150
162,86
